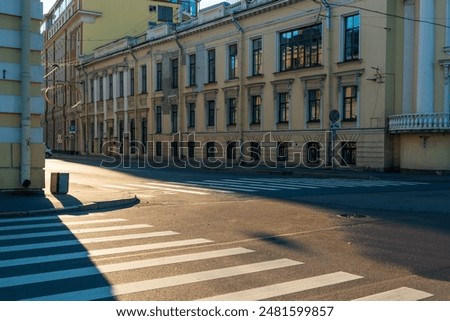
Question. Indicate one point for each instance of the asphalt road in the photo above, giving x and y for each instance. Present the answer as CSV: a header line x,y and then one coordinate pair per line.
x,y
222,235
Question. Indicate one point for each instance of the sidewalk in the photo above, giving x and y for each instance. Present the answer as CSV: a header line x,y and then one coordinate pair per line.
x,y
83,197
79,198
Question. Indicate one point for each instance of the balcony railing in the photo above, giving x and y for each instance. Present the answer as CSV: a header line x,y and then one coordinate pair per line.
x,y
436,122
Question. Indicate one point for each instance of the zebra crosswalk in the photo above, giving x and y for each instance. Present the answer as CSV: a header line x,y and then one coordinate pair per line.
x,y
253,185
24,263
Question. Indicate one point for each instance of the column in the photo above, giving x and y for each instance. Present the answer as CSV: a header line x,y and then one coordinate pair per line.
x,y
425,61
115,94
408,57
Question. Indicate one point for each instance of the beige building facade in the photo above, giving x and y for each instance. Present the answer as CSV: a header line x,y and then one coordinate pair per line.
x,y
285,83
21,104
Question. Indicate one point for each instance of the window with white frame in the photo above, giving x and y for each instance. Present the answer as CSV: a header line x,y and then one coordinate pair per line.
x,y
350,102
232,61
300,48
314,97
257,56
351,37
232,111
283,107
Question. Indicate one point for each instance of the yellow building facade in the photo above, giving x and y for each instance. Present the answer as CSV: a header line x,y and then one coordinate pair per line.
x,y
21,104
285,83
72,29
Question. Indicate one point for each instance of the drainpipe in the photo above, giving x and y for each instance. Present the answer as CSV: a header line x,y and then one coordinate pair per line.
x,y
25,166
241,82
329,74
180,99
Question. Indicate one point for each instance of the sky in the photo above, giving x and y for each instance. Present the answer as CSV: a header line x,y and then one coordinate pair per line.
x,y
203,3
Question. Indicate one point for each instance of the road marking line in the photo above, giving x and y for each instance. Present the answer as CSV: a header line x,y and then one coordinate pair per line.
x,y
177,185
59,224
252,185
400,294
117,267
93,253
148,285
120,187
71,232
47,245
285,288
220,186
169,189
278,183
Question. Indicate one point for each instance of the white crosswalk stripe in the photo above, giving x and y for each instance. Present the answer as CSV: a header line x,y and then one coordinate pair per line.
x,y
400,294
280,289
38,271
254,185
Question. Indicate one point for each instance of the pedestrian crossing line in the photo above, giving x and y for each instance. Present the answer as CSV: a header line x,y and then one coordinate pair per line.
x,y
259,186
219,186
184,186
168,189
101,252
47,245
195,187
71,232
400,294
59,224
120,187
117,267
285,288
278,184
148,285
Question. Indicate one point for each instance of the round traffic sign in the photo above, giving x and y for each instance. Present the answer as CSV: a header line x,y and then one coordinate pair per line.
x,y
334,115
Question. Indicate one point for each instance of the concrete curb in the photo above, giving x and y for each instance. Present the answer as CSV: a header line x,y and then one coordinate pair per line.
x,y
112,204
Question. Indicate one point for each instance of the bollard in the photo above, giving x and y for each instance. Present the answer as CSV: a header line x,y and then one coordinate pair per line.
x,y
59,183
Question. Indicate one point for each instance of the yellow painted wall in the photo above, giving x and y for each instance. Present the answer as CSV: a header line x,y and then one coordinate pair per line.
x,y
434,154
110,26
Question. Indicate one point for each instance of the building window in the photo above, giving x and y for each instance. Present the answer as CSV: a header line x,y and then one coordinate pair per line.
x,y
158,119
191,112
211,112
314,97
255,151
121,90
351,37
159,76
313,152
283,108
282,151
211,65
192,71
101,88
165,14
348,151
158,148
131,81
232,149
144,79
256,57
210,150
232,62
174,118
92,90
191,149
174,73
256,109
232,111
350,96
301,48
110,86
144,133
132,136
